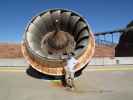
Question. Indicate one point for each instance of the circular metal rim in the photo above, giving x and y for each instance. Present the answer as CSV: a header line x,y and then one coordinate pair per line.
x,y
90,49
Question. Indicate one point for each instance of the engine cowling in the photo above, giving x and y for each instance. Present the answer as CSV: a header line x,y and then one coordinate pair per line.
x,y
52,34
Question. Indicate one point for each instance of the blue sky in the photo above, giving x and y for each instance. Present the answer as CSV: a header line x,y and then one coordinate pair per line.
x,y
102,15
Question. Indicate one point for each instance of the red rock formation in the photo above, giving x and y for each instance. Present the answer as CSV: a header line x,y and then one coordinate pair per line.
x,y
14,51
10,50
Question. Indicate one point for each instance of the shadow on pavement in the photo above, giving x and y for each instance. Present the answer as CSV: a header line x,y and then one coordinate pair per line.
x,y
35,74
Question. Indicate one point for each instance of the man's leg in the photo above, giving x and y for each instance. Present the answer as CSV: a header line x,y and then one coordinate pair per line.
x,y
69,78
72,79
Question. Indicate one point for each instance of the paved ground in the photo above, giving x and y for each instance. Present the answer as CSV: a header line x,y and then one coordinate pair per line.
x,y
99,83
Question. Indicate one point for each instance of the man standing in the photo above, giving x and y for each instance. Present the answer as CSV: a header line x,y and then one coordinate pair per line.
x,y
70,71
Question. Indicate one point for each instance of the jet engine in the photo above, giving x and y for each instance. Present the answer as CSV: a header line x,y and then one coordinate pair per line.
x,y
53,34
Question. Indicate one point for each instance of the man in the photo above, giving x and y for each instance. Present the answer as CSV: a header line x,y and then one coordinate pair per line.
x,y
70,71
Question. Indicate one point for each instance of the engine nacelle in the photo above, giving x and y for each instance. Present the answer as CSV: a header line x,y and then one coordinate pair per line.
x,y
51,35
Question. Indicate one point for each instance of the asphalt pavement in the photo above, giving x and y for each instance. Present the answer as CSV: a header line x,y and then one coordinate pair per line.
x,y
95,83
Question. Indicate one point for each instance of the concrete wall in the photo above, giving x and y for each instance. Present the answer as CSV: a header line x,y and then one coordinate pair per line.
x,y
94,61
13,62
111,61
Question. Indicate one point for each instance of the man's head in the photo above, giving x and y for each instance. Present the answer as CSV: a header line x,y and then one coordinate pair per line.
x,y
70,55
